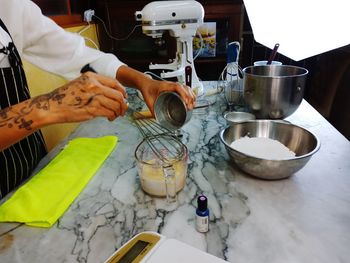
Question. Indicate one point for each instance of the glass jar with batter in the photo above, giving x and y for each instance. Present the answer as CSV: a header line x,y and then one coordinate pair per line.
x,y
162,165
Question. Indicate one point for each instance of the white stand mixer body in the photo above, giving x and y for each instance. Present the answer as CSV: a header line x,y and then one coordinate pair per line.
x,y
181,19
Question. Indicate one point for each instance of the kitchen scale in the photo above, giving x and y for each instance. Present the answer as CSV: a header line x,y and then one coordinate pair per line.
x,y
152,247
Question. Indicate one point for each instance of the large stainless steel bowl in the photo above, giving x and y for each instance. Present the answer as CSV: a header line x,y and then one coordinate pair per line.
x,y
299,140
275,91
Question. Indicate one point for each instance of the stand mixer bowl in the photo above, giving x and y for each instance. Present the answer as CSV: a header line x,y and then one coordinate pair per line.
x,y
273,91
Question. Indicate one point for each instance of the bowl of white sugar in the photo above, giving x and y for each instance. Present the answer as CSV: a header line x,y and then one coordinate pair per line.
x,y
269,149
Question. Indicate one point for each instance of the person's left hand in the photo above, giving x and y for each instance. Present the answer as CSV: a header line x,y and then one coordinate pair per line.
x,y
153,88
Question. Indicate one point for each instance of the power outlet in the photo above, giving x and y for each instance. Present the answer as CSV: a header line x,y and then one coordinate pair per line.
x,y
88,15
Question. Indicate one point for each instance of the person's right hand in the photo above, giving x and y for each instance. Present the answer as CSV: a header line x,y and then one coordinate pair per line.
x,y
90,95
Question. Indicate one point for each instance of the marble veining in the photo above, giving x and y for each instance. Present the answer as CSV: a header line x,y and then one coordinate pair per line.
x,y
305,218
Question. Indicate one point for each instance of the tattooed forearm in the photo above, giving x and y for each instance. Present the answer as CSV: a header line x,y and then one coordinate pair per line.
x,y
12,118
77,96
19,118
43,101
4,117
4,113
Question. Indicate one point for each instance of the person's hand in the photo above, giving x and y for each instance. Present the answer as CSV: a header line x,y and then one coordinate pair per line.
x,y
84,98
151,90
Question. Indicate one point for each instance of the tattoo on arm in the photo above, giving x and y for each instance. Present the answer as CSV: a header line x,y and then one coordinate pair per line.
x,y
11,118
43,101
19,118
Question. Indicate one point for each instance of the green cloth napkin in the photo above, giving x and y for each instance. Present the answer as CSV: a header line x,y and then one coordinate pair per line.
x,y
47,195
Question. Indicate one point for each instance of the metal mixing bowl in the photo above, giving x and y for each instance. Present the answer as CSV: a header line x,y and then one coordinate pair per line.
x,y
299,140
275,91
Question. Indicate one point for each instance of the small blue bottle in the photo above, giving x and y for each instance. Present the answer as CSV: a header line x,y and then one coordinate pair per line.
x,y
202,214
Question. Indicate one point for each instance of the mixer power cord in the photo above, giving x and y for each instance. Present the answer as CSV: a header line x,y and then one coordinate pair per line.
x,y
112,37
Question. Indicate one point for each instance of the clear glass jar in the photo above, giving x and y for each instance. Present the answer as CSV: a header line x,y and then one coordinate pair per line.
x,y
162,165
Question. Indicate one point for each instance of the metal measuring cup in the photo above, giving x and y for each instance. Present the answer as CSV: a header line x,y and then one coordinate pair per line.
x,y
171,111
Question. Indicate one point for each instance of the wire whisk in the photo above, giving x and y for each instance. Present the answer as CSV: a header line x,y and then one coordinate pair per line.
x,y
167,150
165,145
230,80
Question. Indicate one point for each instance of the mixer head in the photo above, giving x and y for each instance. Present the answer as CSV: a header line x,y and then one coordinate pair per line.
x,y
181,18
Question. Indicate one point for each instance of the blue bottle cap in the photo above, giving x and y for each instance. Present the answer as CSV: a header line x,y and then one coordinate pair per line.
x,y
202,203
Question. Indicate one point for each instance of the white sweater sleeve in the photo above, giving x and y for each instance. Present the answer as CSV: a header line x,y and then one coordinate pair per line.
x,y
51,48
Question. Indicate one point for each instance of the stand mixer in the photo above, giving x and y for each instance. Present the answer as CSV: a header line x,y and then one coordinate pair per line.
x,y
181,19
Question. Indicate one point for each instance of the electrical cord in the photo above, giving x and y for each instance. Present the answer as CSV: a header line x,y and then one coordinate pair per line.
x,y
201,47
112,37
91,41
80,32
84,29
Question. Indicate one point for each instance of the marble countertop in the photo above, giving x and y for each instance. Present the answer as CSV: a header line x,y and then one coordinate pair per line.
x,y
305,218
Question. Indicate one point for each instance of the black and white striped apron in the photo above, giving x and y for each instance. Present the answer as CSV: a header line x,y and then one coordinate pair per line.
x,y
18,161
